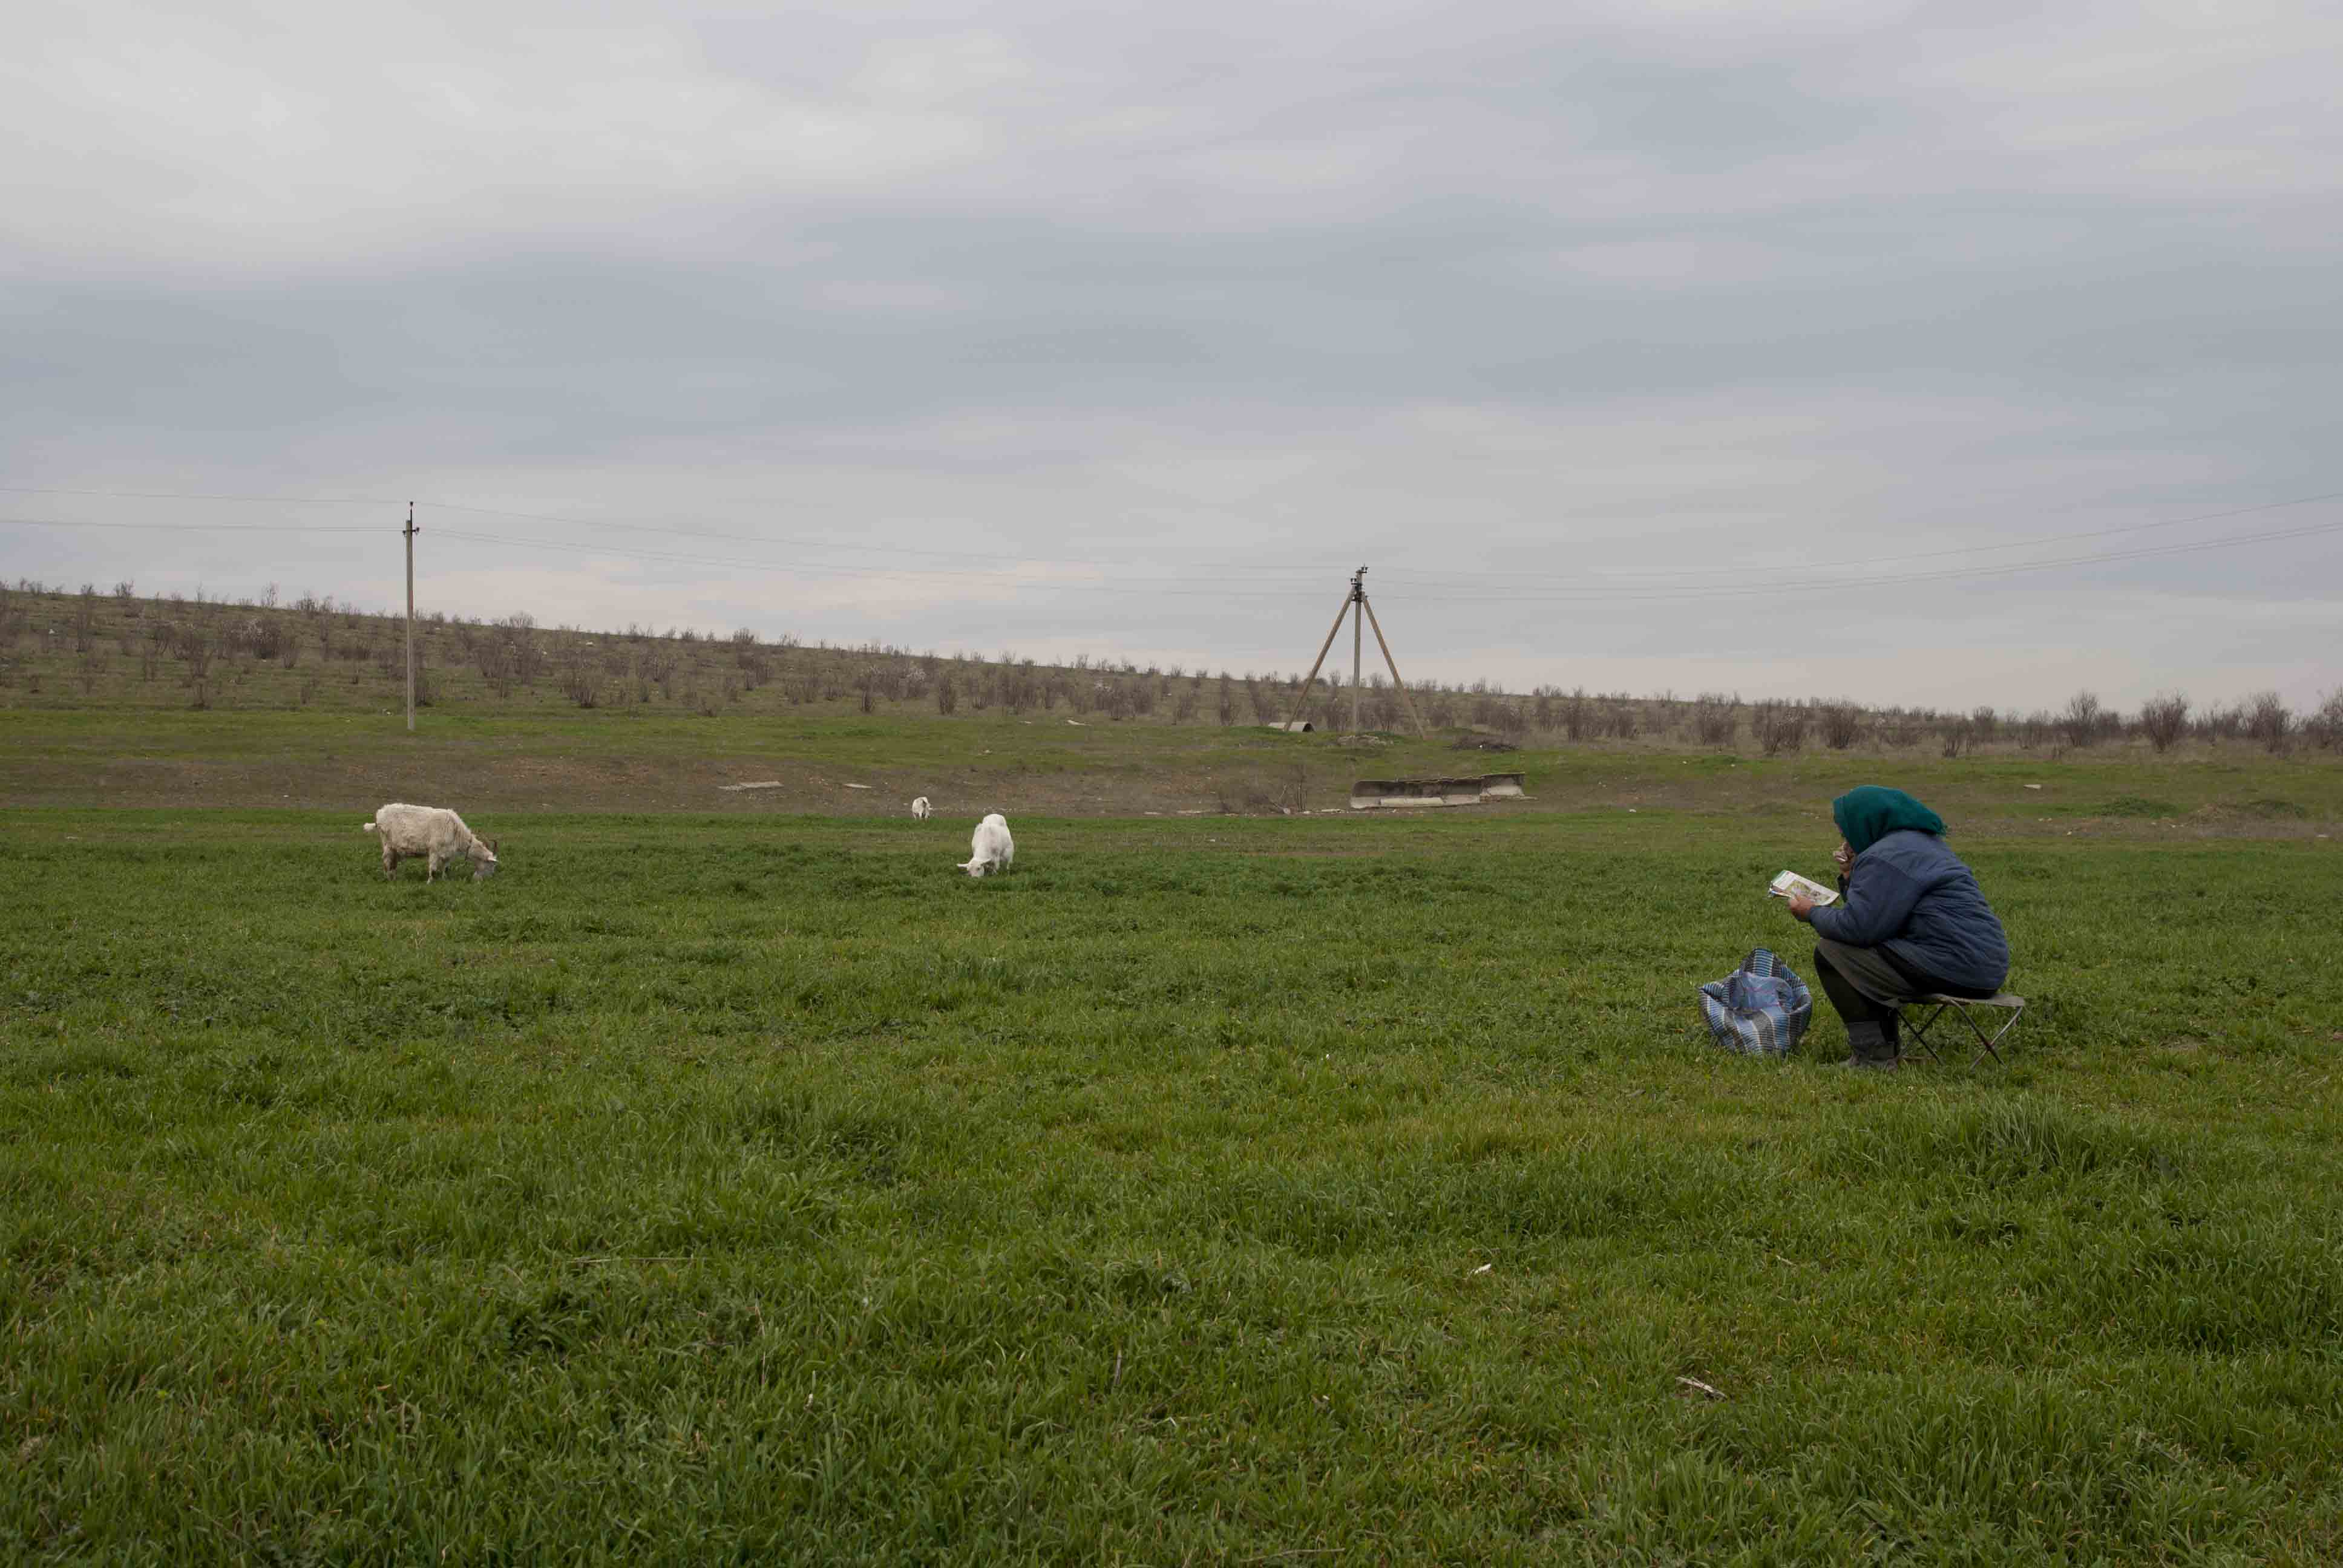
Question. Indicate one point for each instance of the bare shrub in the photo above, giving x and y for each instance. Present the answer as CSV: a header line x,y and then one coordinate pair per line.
x,y
268,637
2268,722
1957,736
2324,729
947,694
2164,720
1577,715
1620,719
1840,723
2079,724
1982,726
581,682
655,665
755,668
493,656
84,619
1779,726
518,634
1716,718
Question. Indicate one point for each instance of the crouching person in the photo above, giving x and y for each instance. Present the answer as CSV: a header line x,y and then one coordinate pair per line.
x,y
1911,921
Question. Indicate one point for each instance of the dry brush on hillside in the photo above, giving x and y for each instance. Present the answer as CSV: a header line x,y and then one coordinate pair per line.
x,y
62,648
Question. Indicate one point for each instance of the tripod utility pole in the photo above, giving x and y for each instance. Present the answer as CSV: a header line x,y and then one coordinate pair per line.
x,y
1355,606
1358,597
410,616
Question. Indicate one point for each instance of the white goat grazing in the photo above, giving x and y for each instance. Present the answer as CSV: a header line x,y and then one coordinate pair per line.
x,y
434,832
992,849
920,809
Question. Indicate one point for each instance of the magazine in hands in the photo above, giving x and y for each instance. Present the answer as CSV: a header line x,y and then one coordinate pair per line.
x,y
1790,885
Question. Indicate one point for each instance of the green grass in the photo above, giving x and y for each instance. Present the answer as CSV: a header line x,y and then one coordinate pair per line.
x,y
635,760
1313,1189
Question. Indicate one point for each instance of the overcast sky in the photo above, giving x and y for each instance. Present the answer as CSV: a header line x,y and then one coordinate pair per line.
x,y
1683,345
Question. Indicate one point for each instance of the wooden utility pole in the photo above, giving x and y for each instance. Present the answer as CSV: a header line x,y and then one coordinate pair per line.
x,y
1393,665
411,617
1355,606
1301,703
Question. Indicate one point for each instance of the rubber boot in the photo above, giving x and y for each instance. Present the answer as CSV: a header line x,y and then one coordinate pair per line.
x,y
1872,1045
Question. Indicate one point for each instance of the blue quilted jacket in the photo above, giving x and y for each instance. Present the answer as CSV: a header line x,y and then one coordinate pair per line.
x,y
1911,895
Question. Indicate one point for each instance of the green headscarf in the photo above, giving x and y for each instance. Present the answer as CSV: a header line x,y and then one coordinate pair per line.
x,y
1869,813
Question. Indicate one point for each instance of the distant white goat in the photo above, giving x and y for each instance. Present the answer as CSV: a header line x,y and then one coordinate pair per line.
x,y
992,849
920,809
434,832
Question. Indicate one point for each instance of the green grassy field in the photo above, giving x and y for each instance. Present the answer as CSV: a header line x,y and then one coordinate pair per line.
x,y
488,763
752,1187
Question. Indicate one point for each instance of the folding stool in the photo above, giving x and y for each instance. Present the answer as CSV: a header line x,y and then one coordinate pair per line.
x,y
1964,1006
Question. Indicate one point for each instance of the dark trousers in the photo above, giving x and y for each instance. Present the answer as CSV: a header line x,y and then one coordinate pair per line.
x,y
1868,984
1853,1005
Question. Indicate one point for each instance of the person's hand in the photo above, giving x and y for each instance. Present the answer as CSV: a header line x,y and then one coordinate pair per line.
x,y
1844,858
1801,906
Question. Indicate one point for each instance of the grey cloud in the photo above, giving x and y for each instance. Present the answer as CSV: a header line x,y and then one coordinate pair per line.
x,y
1229,287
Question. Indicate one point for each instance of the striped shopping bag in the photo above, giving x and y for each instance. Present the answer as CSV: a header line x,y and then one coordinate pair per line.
x,y
1760,1009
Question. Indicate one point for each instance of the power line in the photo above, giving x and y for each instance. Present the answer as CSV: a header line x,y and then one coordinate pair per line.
x,y
1826,585
1312,572
1779,577
1016,579
793,541
199,496
1694,593
1915,555
1740,574
185,528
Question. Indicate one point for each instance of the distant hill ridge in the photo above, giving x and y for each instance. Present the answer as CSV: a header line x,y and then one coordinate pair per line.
x,y
119,649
